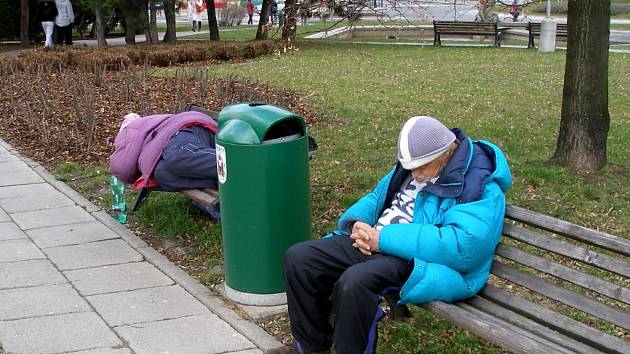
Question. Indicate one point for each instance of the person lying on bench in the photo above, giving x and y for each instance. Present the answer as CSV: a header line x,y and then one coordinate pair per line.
x,y
172,152
428,231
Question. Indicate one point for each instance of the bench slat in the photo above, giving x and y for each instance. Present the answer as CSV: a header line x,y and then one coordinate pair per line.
x,y
503,334
584,280
533,327
565,228
212,192
200,197
466,31
554,320
568,297
587,256
529,328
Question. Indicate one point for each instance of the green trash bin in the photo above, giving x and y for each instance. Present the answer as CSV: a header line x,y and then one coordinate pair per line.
x,y
262,163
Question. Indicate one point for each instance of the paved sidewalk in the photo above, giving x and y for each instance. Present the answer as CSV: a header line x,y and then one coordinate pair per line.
x,y
74,280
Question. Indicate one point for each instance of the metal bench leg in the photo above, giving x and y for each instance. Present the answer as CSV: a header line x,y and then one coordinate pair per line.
x,y
398,312
142,196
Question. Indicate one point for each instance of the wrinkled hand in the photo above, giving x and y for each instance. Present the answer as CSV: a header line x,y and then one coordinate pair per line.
x,y
365,238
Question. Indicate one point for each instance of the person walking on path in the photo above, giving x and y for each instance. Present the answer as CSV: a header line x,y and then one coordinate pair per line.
x,y
250,12
195,12
46,13
274,11
63,22
304,10
428,231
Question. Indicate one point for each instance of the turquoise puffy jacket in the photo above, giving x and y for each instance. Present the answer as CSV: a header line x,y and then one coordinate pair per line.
x,y
456,225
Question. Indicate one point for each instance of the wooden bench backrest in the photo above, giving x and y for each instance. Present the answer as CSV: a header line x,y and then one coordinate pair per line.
x,y
456,27
534,29
575,269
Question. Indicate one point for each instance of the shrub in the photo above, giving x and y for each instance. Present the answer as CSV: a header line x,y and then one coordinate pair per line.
x,y
117,58
231,15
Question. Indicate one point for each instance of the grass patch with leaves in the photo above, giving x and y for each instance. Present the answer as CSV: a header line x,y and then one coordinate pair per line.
x,y
479,89
425,333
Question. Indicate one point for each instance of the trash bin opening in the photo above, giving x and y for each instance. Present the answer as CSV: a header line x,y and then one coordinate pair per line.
x,y
287,129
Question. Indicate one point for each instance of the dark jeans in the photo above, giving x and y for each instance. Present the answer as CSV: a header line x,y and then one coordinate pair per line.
x,y
329,271
188,161
251,19
63,34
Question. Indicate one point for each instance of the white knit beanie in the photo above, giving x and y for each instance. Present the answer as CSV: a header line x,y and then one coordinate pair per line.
x,y
422,139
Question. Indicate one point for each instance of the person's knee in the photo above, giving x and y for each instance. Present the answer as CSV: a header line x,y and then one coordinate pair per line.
x,y
348,285
295,255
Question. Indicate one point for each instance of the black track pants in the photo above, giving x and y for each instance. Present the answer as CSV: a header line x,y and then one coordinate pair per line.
x,y
319,271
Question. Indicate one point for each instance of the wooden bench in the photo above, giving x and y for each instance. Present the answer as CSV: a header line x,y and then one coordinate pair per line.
x,y
465,28
206,197
534,31
548,272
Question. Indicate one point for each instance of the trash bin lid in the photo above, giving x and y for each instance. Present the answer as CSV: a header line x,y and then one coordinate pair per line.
x,y
256,123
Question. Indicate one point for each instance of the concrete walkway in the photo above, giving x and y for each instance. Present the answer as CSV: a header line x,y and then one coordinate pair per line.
x,y
74,280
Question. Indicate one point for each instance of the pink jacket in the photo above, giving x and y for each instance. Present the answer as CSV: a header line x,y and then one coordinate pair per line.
x,y
139,144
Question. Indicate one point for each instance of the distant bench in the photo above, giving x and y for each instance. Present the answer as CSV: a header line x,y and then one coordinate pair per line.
x,y
534,31
532,268
465,28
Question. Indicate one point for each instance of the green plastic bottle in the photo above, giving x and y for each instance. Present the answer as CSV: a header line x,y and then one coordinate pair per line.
x,y
119,207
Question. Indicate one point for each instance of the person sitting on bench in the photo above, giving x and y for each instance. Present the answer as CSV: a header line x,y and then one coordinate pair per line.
x,y
428,231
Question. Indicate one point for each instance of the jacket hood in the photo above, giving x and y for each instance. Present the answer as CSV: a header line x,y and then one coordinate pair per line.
x,y
62,2
502,174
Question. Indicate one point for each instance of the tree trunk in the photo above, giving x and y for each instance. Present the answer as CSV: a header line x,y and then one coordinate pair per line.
x,y
585,119
169,12
151,34
130,23
290,12
100,25
212,20
265,10
24,16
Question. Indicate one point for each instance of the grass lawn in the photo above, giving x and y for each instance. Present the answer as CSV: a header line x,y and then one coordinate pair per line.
x,y
511,97
366,92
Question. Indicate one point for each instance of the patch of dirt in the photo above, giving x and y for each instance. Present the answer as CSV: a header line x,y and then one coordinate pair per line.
x,y
74,116
279,327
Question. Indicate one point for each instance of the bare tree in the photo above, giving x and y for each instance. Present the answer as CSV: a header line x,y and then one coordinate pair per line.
x,y
169,12
151,33
130,12
585,119
99,23
24,14
212,21
265,10
290,11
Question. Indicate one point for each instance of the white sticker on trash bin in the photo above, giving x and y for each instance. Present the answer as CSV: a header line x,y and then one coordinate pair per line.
x,y
221,164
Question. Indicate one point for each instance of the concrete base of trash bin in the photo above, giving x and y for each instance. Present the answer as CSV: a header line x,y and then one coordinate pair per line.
x,y
255,299
548,28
